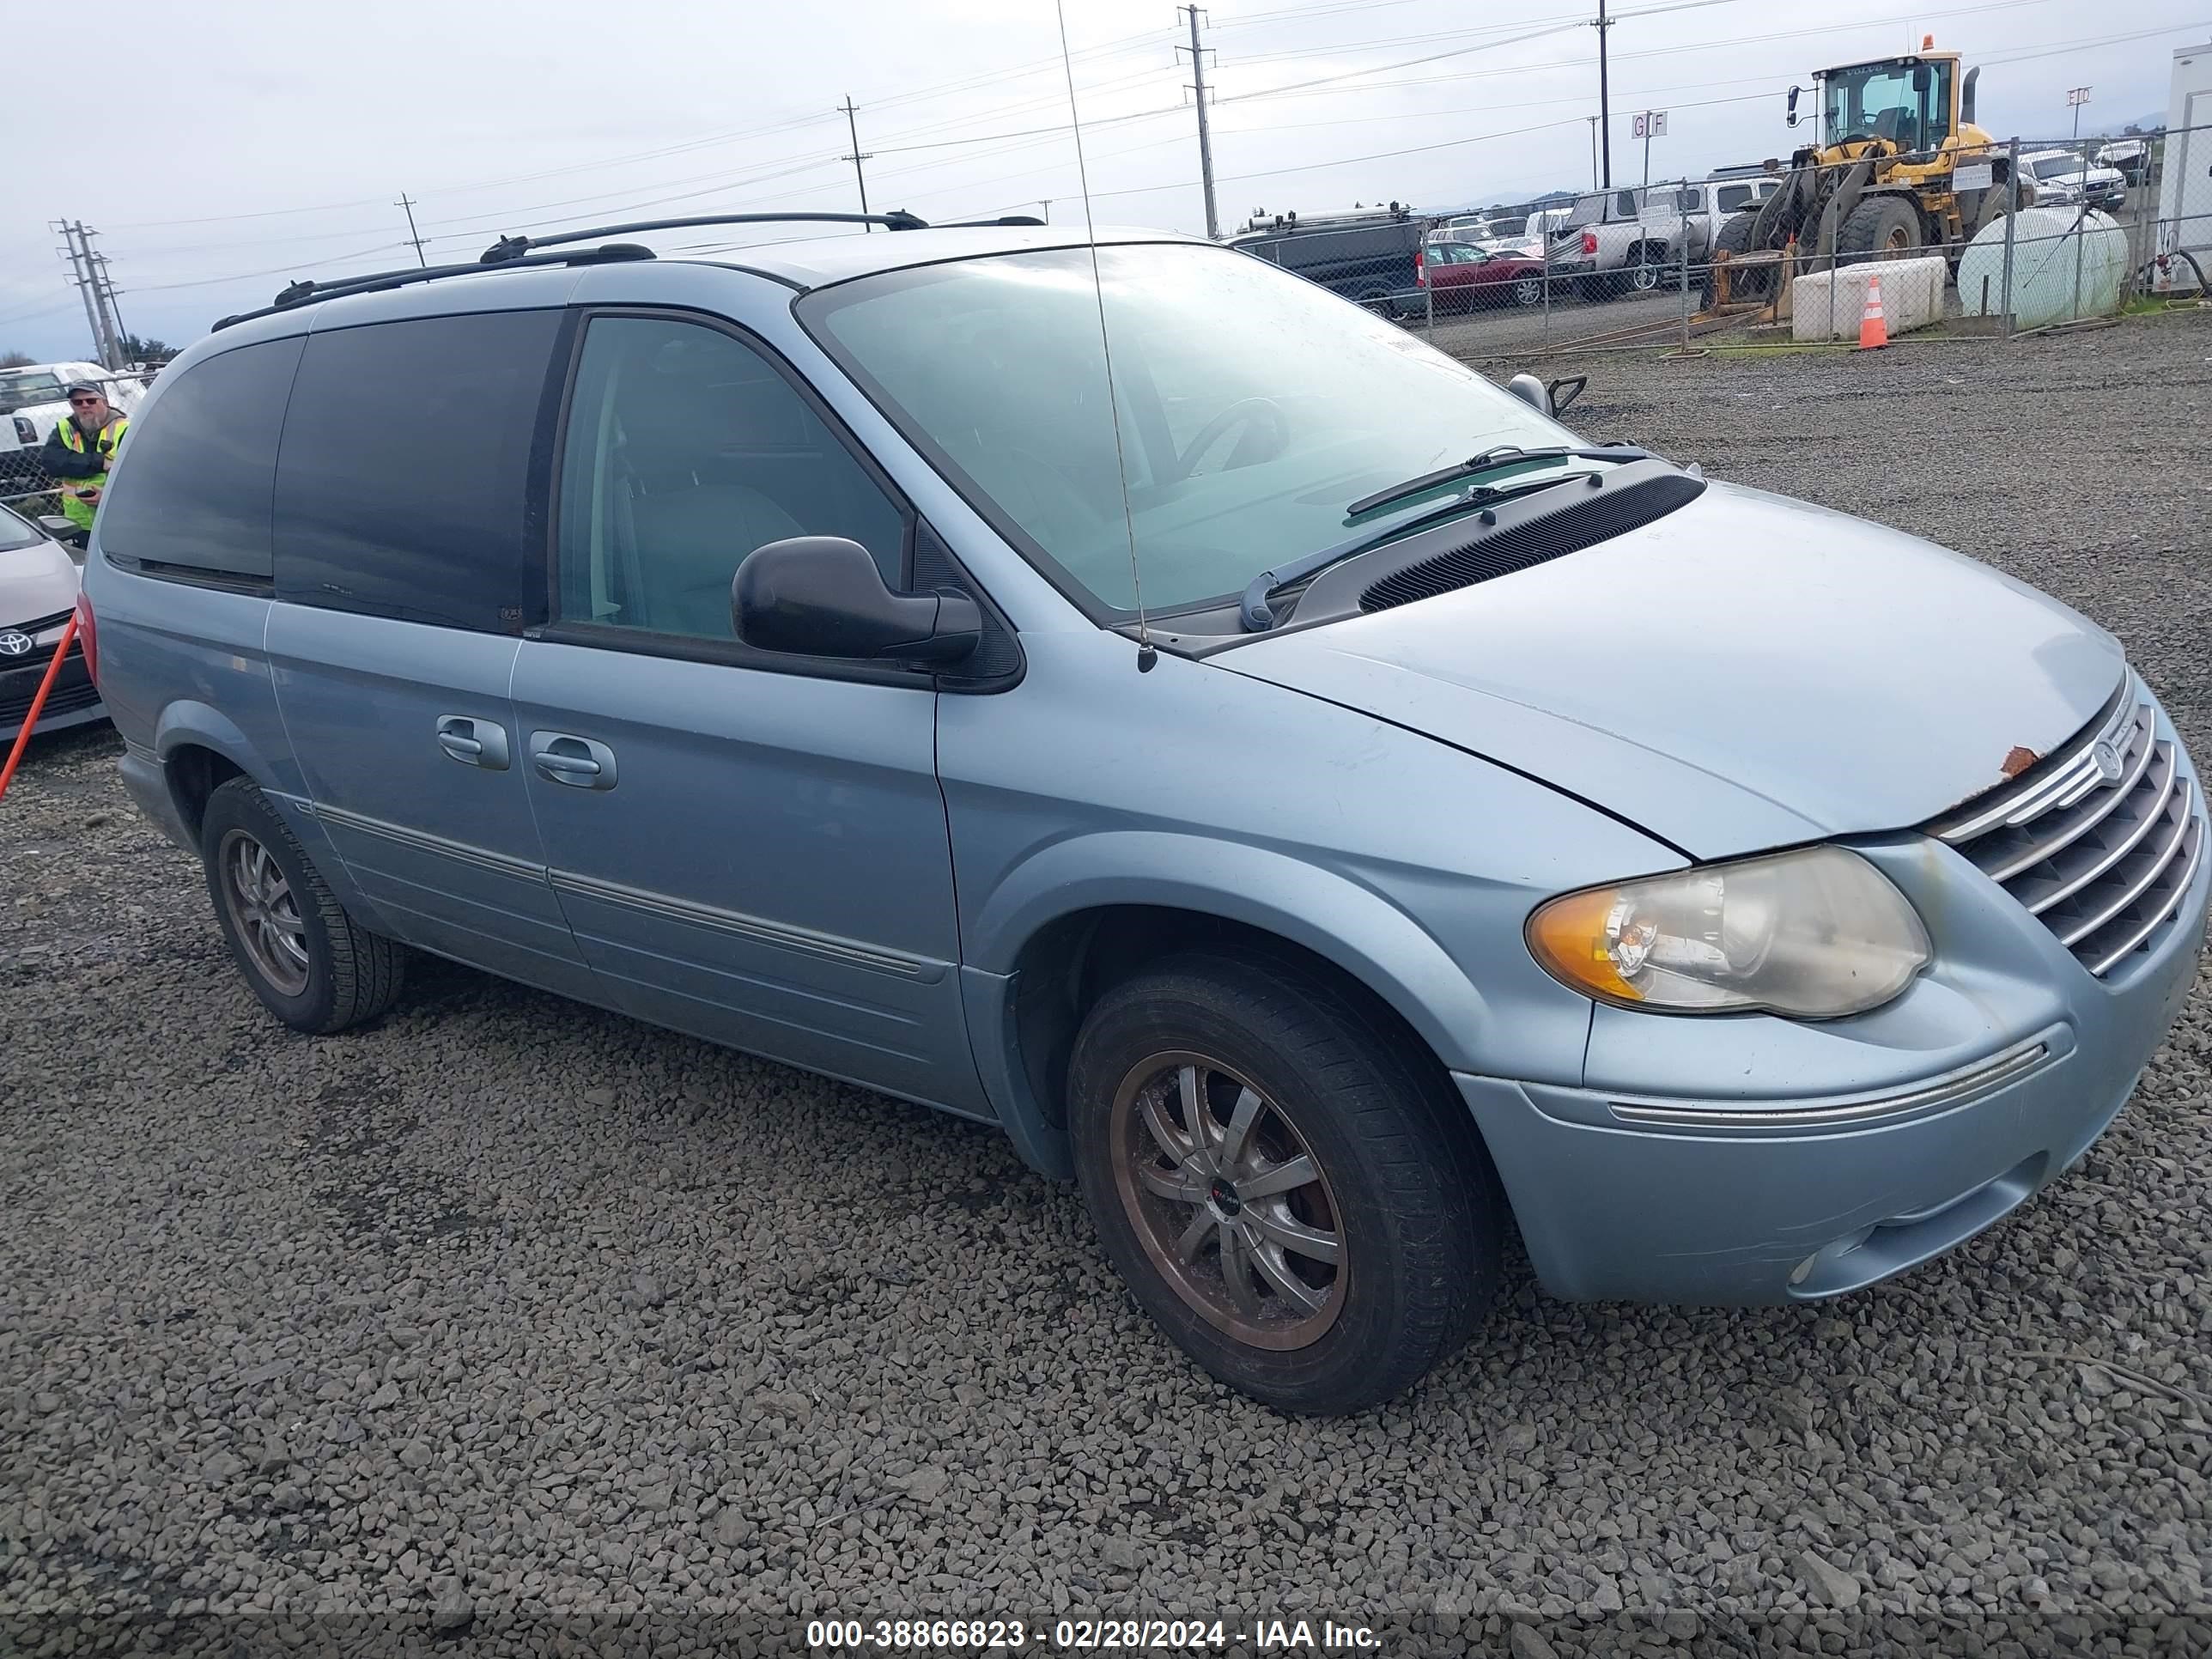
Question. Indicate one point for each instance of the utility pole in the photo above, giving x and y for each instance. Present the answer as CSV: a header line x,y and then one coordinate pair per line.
x,y
1205,137
77,276
1604,97
1045,203
414,235
104,291
92,282
1592,119
856,157
103,298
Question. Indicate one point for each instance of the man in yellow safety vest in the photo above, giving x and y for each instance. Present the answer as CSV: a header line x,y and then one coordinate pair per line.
x,y
83,448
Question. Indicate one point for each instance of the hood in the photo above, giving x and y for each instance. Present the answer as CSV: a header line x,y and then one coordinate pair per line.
x,y
36,581
1747,672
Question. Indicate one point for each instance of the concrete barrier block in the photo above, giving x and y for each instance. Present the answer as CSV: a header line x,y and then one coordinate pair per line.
x,y
1912,297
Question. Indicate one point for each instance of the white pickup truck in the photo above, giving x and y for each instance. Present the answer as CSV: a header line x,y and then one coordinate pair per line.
x,y
1622,240
33,399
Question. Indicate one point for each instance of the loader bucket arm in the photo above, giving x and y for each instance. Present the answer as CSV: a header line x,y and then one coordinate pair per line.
x,y
1845,197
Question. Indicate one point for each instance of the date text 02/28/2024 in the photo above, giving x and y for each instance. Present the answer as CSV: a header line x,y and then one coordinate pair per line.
x,y
1115,1635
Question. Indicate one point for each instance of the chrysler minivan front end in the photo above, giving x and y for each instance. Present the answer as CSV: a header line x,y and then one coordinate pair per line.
x,y
1784,1156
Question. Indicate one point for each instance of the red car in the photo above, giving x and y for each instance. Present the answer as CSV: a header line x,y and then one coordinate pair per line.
x,y
1460,278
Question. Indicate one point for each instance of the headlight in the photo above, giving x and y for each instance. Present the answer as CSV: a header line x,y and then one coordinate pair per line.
x,y
1815,933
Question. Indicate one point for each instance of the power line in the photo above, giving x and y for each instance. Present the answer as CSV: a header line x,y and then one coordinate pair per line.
x,y
704,141
1301,89
276,270
1408,62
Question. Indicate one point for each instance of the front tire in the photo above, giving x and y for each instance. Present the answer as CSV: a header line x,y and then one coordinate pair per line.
x,y
1879,227
312,965
1307,1212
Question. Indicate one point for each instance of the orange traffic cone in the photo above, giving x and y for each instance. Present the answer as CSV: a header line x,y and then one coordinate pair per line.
x,y
1874,331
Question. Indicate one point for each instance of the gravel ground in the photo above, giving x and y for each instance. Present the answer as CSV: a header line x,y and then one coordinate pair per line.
x,y
509,1316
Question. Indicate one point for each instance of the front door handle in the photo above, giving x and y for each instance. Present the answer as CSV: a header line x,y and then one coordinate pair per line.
x,y
473,742
577,762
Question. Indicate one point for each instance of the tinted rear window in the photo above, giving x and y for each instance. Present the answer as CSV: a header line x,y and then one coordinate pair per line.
x,y
194,483
404,486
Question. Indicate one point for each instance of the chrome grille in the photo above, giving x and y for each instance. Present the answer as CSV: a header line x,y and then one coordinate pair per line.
x,y
2100,842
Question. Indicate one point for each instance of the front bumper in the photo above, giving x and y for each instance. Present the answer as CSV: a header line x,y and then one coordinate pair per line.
x,y
1732,1198
74,701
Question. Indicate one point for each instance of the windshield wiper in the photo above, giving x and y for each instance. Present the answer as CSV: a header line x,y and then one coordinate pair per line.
x,y
1253,611
1489,461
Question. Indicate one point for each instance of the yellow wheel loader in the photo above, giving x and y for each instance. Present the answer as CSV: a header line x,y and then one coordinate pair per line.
x,y
1897,166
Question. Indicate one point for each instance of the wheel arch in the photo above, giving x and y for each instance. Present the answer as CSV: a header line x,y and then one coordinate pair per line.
x,y
1051,941
201,748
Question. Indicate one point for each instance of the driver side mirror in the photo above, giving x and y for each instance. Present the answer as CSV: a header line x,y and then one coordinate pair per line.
x,y
823,596
1551,399
1793,91
1922,77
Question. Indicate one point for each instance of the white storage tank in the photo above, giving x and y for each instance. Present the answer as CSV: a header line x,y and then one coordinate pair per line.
x,y
2066,263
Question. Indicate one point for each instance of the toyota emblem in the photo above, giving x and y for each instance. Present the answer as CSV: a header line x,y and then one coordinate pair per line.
x,y
2107,757
14,643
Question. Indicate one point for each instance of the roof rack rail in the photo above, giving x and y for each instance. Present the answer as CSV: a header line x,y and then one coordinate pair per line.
x,y
306,293
507,248
985,224
511,252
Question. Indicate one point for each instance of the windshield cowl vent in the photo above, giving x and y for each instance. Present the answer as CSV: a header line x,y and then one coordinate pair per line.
x,y
1483,556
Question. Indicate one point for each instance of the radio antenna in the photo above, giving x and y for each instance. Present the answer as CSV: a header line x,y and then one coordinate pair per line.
x,y
1147,656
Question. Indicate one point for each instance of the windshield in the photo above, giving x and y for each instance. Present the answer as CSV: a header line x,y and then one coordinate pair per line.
x,y
1253,406
19,389
16,532
1878,100
2054,167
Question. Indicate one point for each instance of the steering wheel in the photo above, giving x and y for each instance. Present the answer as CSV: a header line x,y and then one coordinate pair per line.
x,y
1264,414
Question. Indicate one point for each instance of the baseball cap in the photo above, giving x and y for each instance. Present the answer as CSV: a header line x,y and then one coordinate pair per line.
x,y
79,387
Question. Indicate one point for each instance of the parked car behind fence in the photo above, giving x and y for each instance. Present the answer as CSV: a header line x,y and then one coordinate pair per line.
x,y
1368,257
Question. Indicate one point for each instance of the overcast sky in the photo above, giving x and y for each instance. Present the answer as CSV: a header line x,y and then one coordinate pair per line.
x,y
227,147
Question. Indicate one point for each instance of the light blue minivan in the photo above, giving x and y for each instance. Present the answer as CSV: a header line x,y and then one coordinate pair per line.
x,y
1118,690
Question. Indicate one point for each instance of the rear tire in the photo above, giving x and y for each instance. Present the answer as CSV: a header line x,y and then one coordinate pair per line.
x,y
1879,227
312,964
1362,1213
1528,291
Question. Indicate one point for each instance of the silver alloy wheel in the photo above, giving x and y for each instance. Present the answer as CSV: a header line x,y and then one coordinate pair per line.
x,y
1647,277
263,912
1527,291
1228,1201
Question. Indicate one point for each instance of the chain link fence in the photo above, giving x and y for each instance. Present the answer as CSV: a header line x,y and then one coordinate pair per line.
x,y
2025,237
